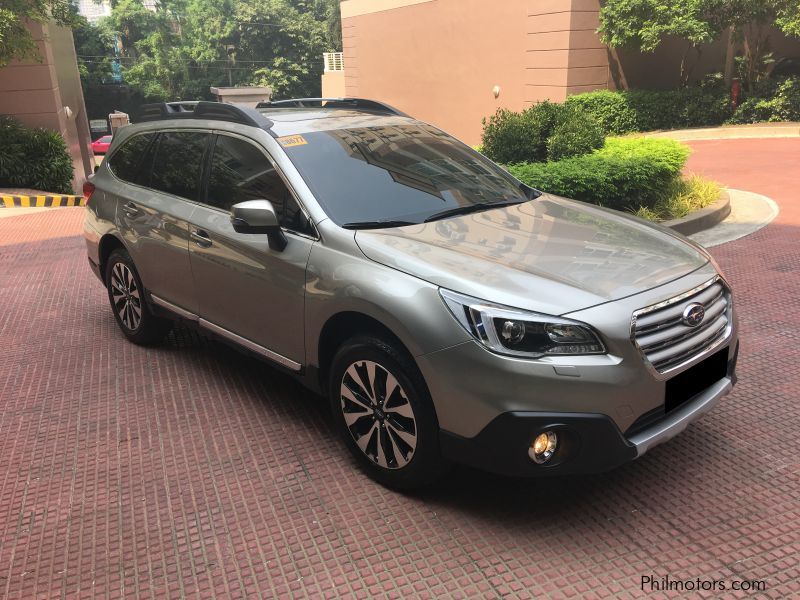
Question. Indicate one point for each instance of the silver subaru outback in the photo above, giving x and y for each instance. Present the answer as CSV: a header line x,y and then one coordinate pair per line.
x,y
449,312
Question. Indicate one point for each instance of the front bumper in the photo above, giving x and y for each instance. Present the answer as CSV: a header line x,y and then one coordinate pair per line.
x,y
588,442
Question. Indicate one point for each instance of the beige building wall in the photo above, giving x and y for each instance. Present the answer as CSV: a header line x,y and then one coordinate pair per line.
x,y
443,60
48,94
333,85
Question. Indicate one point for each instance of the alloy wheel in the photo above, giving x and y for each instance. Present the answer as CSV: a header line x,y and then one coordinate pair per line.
x,y
125,296
378,415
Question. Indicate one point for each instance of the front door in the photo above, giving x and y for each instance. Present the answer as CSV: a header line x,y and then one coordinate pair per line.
x,y
244,288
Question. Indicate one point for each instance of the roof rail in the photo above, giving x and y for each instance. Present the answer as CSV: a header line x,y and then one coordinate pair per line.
x,y
216,111
352,103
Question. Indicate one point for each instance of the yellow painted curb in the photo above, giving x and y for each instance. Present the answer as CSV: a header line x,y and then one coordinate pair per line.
x,y
41,201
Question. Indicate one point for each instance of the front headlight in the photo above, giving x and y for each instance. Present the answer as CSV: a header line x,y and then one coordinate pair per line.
x,y
520,333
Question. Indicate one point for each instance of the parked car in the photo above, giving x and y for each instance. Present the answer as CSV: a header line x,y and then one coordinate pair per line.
x,y
449,312
101,145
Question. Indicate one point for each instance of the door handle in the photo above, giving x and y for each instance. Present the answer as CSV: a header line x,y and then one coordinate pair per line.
x,y
130,209
201,238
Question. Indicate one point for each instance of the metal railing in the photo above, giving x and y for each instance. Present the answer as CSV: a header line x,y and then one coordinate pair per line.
x,y
334,61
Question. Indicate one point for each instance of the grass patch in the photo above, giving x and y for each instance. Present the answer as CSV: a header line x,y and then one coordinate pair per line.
x,y
686,196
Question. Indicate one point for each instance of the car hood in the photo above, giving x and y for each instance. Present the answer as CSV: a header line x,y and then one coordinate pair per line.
x,y
549,255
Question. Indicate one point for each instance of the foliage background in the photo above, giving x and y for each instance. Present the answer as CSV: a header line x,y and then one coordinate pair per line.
x,y
184,47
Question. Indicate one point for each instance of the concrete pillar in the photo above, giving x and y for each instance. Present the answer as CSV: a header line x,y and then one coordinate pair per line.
x,y
48,94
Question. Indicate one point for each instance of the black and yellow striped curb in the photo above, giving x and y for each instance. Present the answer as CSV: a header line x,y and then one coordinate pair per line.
x,y
47,200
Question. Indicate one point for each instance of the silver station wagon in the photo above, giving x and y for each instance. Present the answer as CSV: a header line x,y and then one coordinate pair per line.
x,y
449,312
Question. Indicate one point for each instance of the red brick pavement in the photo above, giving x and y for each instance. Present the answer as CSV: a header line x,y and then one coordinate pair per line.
x,y
189,470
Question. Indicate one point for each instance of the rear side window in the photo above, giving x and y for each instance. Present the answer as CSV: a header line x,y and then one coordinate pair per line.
x,y
240,171
176,164
127,160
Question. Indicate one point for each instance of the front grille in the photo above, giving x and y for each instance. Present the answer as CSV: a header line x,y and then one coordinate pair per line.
x,y
663,338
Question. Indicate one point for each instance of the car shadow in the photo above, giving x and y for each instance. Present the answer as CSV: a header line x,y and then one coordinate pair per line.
x,y
542,499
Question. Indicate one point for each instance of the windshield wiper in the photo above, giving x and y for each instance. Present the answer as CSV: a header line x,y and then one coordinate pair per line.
x,y
377,224
471,208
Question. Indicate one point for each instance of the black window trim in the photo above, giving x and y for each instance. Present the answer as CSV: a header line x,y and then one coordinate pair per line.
x,y
207,171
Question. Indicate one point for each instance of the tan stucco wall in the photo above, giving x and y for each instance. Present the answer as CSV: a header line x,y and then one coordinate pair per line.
x,y
333,84
37,94
439,60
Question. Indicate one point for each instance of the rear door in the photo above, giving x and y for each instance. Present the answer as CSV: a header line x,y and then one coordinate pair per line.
x,y
153,215
245,289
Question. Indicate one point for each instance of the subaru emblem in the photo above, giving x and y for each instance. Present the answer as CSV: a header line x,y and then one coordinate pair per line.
x,y
693,314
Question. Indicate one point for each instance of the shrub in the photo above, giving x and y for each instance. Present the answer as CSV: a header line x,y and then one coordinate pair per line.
x,y
610,109
33,158
624,174
774,101
753,110
510,137
624,112
507,138
576,133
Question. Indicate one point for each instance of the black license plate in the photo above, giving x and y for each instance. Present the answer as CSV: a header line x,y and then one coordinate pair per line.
x,y
699,378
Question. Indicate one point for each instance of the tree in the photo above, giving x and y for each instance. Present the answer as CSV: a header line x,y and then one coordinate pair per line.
x,y
643,24
16,42
284,41
94,50
183,47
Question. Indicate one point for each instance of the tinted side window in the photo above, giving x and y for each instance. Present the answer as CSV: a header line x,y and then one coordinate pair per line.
x,y
177,163
126,161
240,171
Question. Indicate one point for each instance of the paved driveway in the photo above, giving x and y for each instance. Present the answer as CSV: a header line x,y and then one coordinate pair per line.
x,y
191,470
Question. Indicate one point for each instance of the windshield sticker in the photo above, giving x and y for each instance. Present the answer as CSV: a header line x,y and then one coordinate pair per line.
x,y
292,140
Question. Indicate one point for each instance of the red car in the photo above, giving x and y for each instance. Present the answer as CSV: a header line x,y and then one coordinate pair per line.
x,y
100,145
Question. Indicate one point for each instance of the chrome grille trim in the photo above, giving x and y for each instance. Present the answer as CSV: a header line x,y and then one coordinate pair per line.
x,y
667,345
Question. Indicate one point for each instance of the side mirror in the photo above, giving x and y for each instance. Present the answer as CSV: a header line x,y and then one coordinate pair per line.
x,y
258,216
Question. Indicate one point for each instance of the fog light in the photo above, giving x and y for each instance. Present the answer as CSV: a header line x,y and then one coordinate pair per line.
x,y
543,447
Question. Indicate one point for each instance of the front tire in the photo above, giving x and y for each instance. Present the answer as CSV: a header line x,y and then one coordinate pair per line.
x,y
127,297
384,413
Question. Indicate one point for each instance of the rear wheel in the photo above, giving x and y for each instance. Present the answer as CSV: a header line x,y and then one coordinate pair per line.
x,y
126,295
384,413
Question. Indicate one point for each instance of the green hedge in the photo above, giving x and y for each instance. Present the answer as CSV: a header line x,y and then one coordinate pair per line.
x,y
33,158
575,133
705,105
510,136
545,131
776,101
624,112
624,174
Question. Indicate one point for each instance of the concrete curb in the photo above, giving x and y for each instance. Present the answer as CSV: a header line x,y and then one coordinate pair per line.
x,y
702,219
42,200
750,212
729,132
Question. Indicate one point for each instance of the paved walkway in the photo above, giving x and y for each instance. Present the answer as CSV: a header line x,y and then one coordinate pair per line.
x,y
189,470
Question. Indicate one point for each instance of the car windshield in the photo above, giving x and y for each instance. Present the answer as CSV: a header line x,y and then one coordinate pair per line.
x,y
398,174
